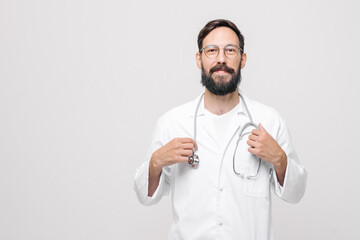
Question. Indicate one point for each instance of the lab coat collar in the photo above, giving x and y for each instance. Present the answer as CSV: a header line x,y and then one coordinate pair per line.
x,y
201,111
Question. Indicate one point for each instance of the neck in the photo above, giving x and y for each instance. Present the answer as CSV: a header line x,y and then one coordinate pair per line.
x,y
220,104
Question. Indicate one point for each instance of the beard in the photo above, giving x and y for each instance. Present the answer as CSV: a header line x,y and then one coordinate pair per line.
x,y
221,87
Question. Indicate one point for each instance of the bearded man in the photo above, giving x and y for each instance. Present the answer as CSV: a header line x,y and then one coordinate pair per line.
x,y
220,154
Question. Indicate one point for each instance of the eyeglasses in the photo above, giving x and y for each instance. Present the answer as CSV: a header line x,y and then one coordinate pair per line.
x,y
230,51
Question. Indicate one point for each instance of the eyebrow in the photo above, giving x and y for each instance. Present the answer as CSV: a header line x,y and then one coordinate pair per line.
x,y
234,45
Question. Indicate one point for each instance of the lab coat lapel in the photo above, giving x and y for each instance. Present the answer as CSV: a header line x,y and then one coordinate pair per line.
x,y
205,128
235,122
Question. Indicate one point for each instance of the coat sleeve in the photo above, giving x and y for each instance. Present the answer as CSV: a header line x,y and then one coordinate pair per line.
x,y
141,181
294,185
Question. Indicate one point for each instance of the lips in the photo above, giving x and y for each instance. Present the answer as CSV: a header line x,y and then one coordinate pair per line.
x,y
221,69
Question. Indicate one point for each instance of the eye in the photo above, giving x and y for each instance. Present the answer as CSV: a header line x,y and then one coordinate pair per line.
x,y
231,50
211,51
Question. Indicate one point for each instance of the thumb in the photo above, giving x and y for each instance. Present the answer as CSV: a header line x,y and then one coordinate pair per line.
x,y
261,128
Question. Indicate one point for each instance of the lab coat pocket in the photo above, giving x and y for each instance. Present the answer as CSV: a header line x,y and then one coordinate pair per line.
x,y
258,186
253,172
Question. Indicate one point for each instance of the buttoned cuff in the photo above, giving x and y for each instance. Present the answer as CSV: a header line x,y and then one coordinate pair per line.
x,y
141,185
278,188
294,183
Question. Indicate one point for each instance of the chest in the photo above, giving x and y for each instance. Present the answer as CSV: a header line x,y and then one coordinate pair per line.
x,y
224,161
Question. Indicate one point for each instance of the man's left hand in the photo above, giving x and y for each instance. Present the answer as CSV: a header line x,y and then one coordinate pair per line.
x,y
263,145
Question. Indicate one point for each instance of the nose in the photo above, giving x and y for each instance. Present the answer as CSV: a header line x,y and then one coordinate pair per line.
x,y
221,57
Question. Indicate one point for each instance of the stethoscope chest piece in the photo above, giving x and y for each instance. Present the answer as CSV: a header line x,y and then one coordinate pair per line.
x,y
194,160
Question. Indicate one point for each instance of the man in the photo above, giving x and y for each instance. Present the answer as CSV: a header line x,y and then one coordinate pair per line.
x,y
227,196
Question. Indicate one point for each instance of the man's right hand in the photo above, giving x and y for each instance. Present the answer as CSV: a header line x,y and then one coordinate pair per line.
x,y
175,151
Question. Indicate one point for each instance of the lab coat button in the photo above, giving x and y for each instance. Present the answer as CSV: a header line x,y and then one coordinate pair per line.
x,y
220,224
221,189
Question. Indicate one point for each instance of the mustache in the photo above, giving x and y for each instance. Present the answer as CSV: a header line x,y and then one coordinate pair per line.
x,y
221,67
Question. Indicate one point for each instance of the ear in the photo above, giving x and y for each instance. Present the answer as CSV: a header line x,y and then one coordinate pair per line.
x,y
198,60
243,60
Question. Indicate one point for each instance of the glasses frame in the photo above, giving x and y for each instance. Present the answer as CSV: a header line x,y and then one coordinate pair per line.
x,y
229,45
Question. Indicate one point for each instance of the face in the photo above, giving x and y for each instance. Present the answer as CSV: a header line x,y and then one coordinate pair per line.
x,y
221,75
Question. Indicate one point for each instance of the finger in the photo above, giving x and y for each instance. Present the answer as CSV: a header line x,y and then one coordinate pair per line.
x,y
189,140
186,153
184,159
252,150
186,140
188,146
253,137
252,143
256,132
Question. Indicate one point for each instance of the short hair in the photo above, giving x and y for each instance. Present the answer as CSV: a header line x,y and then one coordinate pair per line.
x,y
219,23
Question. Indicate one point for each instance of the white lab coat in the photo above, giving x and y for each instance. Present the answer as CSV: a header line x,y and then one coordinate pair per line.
x,y
212,202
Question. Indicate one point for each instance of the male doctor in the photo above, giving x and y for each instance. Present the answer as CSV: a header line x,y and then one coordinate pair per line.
x,y
227,195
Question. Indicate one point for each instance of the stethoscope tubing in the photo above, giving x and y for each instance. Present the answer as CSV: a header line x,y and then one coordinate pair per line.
x,y
194,159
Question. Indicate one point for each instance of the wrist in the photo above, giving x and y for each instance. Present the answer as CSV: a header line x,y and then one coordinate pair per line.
x,y
281,162
154,167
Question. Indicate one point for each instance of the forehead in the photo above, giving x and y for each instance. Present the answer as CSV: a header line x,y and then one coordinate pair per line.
x,y
221,36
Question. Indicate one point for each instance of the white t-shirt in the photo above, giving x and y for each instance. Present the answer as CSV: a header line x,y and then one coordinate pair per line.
x,y
221,125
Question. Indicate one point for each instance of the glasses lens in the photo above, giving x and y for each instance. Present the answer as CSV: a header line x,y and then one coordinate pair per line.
x,y
231,51
244,161
211,51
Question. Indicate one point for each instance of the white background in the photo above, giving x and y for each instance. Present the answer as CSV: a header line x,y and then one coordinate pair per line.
x,y
82,84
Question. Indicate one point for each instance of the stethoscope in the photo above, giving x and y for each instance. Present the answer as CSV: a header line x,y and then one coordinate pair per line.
x,y
194,158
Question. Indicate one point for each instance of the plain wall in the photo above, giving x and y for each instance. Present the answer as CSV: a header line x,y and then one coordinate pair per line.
x,y
82,84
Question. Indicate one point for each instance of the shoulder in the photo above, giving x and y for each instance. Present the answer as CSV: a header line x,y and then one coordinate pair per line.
x,y
178,121
261,109
264,114
182,111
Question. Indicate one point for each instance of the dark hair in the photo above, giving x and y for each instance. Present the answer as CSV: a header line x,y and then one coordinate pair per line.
x,y
219,23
